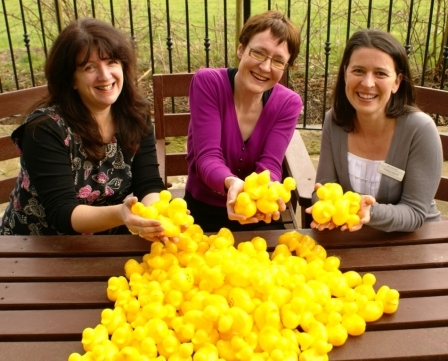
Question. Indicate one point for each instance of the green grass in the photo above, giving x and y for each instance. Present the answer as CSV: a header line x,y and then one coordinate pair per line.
x,y
312,51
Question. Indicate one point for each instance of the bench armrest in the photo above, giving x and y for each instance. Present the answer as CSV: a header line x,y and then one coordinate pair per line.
x,y
298,165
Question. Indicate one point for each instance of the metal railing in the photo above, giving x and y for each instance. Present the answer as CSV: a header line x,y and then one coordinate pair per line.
x,y
184,35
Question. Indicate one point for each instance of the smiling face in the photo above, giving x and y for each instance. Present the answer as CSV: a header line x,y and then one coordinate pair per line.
x,y
99,82
258,76
370,80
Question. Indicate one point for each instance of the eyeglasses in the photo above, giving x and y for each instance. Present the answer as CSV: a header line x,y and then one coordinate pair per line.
x,y
261,57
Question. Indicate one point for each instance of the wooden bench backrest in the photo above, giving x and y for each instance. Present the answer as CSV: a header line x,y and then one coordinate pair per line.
x,y
435,101
12,104
171,124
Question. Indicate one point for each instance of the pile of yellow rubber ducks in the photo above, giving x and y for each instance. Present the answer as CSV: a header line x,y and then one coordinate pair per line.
x,y
336,206
205,299
260,194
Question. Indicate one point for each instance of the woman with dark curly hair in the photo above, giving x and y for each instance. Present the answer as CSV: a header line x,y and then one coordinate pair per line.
x,y
89,144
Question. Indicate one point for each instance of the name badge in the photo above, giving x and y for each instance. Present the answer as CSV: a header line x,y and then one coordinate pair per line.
x,y
391,171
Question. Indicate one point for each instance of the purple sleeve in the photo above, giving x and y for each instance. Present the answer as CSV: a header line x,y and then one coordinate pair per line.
x,y
206,125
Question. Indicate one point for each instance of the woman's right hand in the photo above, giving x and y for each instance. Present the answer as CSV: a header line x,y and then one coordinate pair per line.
x,y
234,187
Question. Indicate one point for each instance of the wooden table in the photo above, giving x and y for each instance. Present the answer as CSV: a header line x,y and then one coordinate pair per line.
x,y
51,288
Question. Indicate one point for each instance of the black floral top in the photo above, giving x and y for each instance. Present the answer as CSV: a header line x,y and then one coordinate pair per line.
x,y
56,176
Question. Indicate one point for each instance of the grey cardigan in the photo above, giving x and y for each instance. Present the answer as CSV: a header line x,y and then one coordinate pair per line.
x,y
415,148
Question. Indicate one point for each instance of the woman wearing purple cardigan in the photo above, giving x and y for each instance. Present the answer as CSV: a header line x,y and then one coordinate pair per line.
x,y
241,122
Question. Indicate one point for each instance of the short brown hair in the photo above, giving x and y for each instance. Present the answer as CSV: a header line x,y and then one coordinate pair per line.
x,y
280,26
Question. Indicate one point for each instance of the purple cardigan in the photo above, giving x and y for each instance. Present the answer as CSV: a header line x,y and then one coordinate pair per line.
x,y
216,148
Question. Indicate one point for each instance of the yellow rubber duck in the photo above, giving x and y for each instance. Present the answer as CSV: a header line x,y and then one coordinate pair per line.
x,y
337,333
372,310
244,205
353,323
322,211
341,211
389,297
330,191
267,203
255,184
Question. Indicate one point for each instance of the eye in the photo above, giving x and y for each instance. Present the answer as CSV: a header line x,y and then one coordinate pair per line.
x,y
278,63
357,71
258,55
113,61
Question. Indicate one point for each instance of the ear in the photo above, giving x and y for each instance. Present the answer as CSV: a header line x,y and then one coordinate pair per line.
x,y
397,83
240,51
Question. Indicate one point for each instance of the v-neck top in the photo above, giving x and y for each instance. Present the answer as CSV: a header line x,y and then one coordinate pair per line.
x,y
415,148
215,147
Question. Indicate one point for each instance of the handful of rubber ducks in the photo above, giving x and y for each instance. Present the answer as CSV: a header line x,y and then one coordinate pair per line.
x,y
262,195
336,206
203,299
172,214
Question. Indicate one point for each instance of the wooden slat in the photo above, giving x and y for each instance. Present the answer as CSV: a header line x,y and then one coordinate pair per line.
x,y
28,324
6,187
60,269
432,100
176,125
7,148
372,346
72,246
403,257
19,101
175,164
45,325
427,344
444,140
368,237
55,295
23,246
442,190
420,312
39,351
415,282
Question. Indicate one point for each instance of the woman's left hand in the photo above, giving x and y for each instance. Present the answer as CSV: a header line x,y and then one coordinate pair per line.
x,y
364,213
150,229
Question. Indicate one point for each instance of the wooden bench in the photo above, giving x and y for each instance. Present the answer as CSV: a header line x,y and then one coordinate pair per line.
x,y
172,89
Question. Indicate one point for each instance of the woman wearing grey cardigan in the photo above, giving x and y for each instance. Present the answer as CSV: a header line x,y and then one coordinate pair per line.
x,y
376,142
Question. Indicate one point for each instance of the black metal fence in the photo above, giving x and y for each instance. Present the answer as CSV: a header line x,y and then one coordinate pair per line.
x,y
184,35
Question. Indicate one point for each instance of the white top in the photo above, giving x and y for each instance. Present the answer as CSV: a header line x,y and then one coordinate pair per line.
x,y
364,175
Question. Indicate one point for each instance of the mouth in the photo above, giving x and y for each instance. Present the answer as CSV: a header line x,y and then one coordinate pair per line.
x,y
259,77
105,87
367,96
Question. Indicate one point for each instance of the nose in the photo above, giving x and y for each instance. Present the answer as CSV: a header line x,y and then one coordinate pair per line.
x,y
368,80
266,65
103,72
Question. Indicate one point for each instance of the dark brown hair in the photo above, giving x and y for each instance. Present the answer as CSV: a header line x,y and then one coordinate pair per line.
x,y
402,102
131,109
280,26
